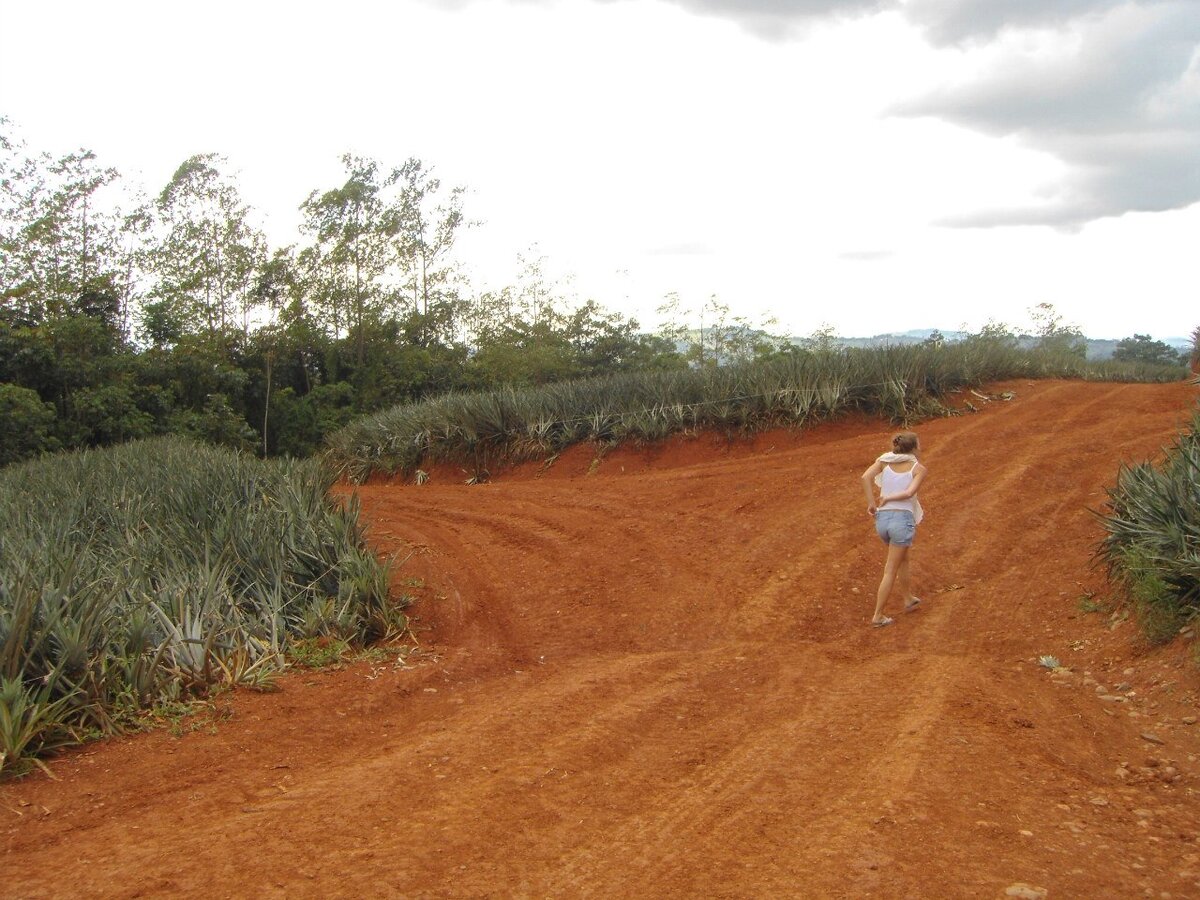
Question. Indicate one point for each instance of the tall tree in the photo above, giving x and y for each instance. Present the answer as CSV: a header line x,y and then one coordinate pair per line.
x,y
205,253
347,260
61,238
21,181
423,228
711,335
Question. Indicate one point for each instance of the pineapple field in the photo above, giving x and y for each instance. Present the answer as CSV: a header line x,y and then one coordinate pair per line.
x,y
154,572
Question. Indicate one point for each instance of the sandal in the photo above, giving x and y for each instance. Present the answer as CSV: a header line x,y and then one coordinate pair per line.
x,y
909,607
882,622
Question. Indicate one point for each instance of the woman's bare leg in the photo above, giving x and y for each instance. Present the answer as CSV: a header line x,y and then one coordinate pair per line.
x,y
895,559
903,579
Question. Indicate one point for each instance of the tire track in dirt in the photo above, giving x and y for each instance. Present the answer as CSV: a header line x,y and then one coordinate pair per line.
x,y
843,529
694,818
993,521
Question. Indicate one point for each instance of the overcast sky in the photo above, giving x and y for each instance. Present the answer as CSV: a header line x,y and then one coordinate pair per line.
x,y
872,165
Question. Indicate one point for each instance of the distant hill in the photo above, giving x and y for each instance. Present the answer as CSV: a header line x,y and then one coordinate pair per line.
x,y
1097,348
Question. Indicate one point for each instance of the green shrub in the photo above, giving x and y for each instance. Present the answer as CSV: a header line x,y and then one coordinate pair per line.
x,y
1152,540
108,415
25,424
217,423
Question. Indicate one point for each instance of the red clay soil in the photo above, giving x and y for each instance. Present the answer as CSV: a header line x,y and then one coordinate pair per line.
x,y
654,677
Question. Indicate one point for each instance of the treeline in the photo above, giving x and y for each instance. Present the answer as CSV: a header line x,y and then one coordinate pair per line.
x,y
124,316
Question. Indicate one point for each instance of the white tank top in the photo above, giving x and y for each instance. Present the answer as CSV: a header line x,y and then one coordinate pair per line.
x,y
894,482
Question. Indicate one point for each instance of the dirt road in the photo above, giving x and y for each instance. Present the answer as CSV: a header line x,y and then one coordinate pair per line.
x,y
653,677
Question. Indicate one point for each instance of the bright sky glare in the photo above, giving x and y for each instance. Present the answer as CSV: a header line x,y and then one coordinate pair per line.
x,y
871,165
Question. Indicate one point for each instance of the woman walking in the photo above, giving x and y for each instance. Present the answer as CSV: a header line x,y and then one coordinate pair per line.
x,y
898,475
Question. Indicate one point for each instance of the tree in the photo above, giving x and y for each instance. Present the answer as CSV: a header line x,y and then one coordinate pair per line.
x,y
604,342
721,338
61,248
1054,335
534,300
205,253
995,333
519,333
821,341
1141,349
344,266
422,231
527,353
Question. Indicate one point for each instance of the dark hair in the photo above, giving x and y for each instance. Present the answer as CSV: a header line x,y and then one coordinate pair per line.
x,y
904,442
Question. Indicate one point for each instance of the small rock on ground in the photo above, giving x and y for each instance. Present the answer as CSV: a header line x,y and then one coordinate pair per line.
x,y
1023,891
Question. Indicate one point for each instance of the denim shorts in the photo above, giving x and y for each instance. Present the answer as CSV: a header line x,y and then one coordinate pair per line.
x,y
895,526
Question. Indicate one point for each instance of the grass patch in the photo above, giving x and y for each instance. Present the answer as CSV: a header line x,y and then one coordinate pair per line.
x,y
1156,608
180,717
1089,604
318,652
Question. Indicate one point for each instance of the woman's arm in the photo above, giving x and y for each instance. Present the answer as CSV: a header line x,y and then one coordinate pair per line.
x,y
868,483
911,491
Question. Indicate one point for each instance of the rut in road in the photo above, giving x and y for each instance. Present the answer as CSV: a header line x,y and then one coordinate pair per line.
x,y
659,679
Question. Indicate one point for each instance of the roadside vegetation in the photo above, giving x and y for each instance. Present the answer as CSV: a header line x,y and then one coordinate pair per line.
x,y
1152,541
135,578
786,388
1152,545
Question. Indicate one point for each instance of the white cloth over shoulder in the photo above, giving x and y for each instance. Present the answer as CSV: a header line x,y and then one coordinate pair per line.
x,y
888,459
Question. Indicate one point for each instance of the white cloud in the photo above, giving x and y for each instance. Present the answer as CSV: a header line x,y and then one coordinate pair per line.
x,y
958,21
1115,96
781,19
1109,87
866,255
649,147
